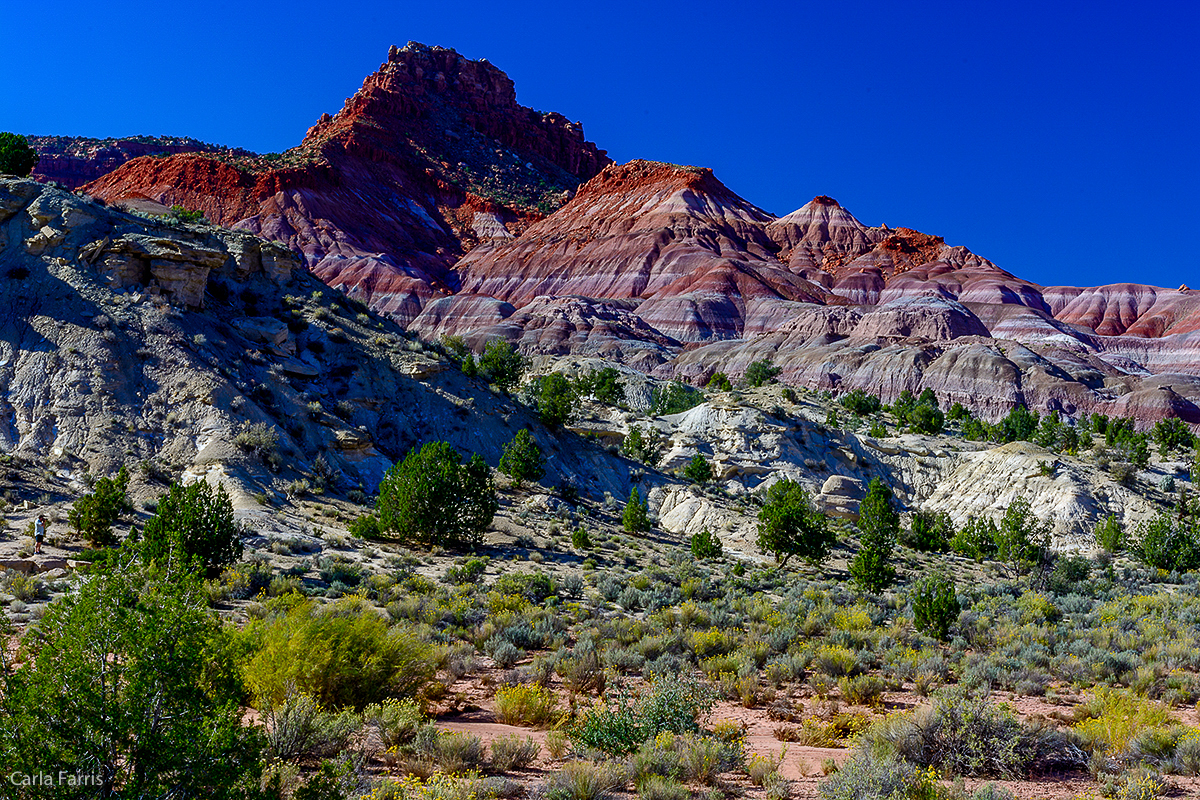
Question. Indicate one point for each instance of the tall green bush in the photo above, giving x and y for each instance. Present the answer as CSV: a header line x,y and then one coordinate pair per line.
x,y
929,532
522,459
861,403
879,525
1109,534
16,156
935,605
674,398
129,679
196,521
1022,539
1171,434
1020,424
642,445
761,372
432,498
605,385
1168,543
502,364
94,514
719,382
698,470
705,545
636,516
976,539
343,656
622,721
556,400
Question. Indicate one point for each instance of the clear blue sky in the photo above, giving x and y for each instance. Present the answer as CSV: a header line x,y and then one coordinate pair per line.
x,y
1059,140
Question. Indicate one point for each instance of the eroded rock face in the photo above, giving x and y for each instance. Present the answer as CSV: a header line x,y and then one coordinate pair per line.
x,y
105,362
431,156
676,238
822,235
986,483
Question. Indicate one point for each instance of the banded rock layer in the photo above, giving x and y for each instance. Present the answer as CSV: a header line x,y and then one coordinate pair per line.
x,y
438,200
431,156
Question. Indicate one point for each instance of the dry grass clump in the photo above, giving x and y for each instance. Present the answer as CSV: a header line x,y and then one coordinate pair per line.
x,y
585,780
513,752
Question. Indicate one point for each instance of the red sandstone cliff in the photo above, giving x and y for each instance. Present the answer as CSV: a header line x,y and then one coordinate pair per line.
x,y
430,157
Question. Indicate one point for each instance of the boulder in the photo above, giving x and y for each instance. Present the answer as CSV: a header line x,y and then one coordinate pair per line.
x,y
840,497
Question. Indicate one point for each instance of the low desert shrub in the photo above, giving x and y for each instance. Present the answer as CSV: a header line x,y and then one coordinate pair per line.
x,y
706,757
836,661
655,787
759,768
583,670
813,732
621,722
25,588
452,751
526,705
964,734
878,776
260,439
557,744
502,651
396,721
1111,718
584,780
341,655
512,752
297,726
862,690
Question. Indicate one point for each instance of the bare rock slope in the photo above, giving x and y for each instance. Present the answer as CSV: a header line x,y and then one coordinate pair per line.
x,y
126,339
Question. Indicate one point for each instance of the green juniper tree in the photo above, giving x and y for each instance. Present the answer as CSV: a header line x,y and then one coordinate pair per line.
x,y
719,382
1022,540
522,459
705,545
94,514
502,364
935,605
16,156
556,400
432,498
698,470
637,513
879,524
761,372
196,521
130,679
789,525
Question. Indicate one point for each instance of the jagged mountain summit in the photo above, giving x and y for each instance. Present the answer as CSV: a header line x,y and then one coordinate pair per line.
x,y
438,200
429,157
